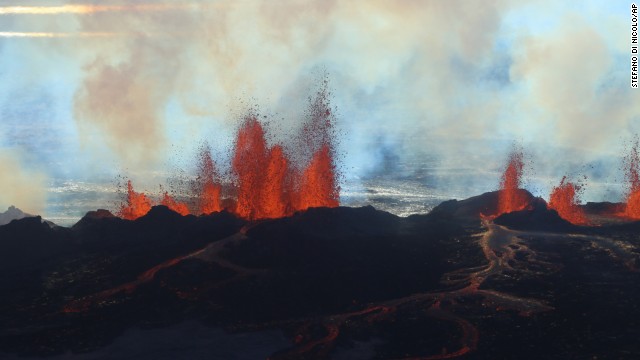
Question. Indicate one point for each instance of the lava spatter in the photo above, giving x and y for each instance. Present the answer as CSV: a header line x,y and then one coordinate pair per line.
x,y
137,204
206,187
510,197
565,199
267,179
179,207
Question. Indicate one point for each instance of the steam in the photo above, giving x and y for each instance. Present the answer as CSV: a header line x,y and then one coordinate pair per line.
x,y
410,78
202,61
20,186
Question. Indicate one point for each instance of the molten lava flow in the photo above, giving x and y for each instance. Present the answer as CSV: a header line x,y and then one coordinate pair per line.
x,y
565,199
138,204
171,203
510,197
318,183
207,188
631,167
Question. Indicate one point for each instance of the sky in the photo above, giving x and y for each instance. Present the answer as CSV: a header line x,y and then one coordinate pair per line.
x,y
90,91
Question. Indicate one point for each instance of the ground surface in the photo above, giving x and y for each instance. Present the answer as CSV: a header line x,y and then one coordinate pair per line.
x,y
343,283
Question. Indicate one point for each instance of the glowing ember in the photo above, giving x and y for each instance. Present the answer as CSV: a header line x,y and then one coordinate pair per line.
x,y
510,197
137,204
565,200
631,168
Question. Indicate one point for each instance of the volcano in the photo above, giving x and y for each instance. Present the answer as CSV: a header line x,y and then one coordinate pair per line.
x,y
325,282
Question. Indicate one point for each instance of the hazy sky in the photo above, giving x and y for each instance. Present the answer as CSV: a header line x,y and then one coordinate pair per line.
x,y
91,91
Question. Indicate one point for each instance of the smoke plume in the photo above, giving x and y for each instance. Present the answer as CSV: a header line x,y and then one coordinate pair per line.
x,y
444,80
20,186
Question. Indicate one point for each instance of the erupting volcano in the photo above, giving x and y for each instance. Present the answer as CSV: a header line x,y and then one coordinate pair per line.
x,y
510,197
565,199
266,182
631,166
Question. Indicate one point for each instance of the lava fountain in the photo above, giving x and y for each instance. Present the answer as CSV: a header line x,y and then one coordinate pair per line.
x,y
206,186
631,166
266,181
510,197
318,184
276,192
250,165
565,199
137,204
179,207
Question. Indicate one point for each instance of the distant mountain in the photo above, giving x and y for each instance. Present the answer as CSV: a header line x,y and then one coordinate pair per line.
x,y
13,213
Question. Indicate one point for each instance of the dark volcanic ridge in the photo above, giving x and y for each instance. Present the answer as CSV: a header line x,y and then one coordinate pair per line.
x,y
336,282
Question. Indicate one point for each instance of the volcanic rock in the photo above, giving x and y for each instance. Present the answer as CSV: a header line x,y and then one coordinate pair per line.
x,y
538,217
337,282
603,208
475,207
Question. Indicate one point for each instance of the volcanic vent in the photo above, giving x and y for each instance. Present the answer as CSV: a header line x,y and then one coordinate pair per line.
x,y
511,197
266,181
565,199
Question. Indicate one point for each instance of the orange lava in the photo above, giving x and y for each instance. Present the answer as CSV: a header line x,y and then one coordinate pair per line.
x,y
631,167
171,203
207,187
268,187
137,204
276,192
565,199
265,181
510,198
249,165
318,183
